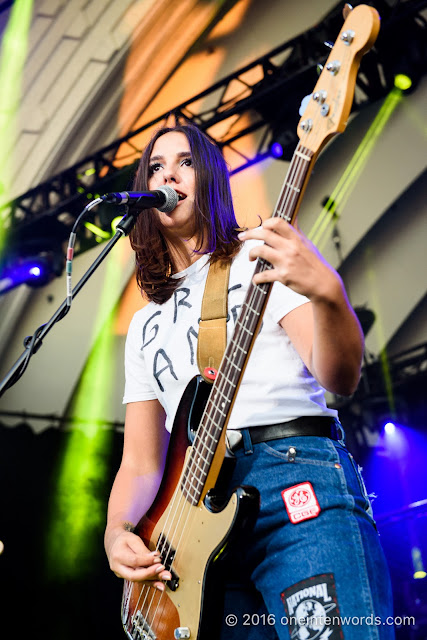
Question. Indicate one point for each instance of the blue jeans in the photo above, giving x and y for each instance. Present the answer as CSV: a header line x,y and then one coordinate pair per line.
x,y
323,577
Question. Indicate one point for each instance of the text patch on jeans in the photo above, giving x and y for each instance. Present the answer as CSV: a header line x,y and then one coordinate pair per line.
x,y
301,502
311,607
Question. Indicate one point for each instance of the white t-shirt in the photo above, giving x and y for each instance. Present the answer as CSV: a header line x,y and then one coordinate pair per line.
x,y
161,351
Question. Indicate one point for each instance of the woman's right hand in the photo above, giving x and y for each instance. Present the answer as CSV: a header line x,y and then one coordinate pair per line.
x,y
130,559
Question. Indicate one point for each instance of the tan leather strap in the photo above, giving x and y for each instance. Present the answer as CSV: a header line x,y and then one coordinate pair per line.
x,y
212,338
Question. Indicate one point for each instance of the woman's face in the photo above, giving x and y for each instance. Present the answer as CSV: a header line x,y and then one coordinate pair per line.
x,y
171,164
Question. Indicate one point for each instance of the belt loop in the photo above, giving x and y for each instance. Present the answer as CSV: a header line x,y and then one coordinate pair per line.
x,y
340,430
247,442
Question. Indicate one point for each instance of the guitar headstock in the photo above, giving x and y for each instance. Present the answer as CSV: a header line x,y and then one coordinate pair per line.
x,y
329,106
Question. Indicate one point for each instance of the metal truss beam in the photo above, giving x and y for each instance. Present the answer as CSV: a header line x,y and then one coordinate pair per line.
x,y
262,97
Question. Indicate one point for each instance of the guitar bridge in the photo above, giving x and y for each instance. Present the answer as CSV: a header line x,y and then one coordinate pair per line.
x,y
141,630
167,553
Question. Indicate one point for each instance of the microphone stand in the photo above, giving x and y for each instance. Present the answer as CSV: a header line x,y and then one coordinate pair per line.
x,y
33,343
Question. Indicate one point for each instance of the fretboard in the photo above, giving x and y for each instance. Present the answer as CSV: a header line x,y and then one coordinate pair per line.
x,y
224,390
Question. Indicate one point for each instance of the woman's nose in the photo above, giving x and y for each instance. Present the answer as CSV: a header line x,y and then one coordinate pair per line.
x,y
169,176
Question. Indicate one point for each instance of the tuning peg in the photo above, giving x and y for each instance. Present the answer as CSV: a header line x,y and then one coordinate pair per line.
x,y
328,44
347,10
319,69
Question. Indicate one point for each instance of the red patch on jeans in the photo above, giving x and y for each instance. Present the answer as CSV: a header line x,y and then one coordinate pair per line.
x,y
301,502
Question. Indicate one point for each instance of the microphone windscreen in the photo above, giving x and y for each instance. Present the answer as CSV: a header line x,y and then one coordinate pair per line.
x,y
171,199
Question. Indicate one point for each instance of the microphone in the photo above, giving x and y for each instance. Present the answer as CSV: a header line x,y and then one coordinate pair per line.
x,y
164,199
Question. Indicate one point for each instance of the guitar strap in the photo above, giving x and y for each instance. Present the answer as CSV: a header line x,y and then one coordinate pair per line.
x,y
212,338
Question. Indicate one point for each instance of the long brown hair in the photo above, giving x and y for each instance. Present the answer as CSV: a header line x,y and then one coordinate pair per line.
x,y
216,224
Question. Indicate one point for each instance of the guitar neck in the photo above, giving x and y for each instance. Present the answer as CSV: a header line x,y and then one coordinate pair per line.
x,y
225,387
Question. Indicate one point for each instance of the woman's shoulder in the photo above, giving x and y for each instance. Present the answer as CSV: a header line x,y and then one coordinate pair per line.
x,y
141,315
247,245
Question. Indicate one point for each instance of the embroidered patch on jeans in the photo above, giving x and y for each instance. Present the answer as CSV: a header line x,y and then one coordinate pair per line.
x,y
301,502
312,609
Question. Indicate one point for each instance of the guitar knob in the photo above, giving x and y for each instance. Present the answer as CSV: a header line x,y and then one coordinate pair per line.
x,y
181,632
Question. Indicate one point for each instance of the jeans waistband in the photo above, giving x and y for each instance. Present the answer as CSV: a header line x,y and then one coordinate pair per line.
x,y
321,426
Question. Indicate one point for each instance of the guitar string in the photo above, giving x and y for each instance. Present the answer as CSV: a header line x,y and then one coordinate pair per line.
x,y
299,151
164,537
280,210
249,302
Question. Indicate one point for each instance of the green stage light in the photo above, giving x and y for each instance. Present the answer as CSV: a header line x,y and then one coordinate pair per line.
x,y
97,231
12,59
115,222
340,195
402,81
78,516
79,503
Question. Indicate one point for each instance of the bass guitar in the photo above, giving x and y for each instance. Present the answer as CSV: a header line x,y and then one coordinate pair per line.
x,y
185,522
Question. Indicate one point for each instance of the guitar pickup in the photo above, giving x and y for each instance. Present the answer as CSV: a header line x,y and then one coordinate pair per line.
x,y
167,554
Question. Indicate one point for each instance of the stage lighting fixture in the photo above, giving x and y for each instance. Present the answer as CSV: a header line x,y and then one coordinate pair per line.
x,y
389,428
408,62
32,270
417,561
276,150
402,81
283,144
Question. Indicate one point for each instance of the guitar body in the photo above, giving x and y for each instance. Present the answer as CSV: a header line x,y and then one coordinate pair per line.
x,y
193,537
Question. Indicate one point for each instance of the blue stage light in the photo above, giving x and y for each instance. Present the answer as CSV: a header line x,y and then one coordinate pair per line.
x,y
35,271
32,271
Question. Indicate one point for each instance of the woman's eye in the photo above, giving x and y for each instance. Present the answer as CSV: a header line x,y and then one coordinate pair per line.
x,y
187,162
155,167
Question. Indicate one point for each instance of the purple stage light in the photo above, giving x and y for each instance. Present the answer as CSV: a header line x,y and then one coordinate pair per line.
x,y
276,150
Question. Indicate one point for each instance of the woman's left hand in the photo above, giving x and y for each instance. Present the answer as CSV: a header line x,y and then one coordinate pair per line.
x,y
295,260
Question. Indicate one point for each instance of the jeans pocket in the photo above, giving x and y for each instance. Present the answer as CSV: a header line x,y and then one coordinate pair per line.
x,y
302,450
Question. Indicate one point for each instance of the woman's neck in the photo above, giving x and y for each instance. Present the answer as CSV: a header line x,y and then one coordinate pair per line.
x,y
183,253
